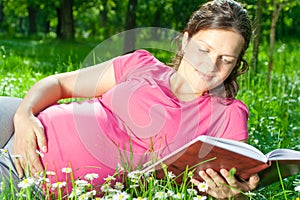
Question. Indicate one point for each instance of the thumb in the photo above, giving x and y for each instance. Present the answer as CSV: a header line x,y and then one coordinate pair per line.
x,y
41,139
253,181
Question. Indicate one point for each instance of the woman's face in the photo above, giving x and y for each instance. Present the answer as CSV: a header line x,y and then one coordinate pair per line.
x,y
209,57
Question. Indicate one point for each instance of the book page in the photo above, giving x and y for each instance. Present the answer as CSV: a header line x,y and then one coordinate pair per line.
x,y
283,154
235,146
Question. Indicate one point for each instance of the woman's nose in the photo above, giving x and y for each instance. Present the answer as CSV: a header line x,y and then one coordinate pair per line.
x,y
211,62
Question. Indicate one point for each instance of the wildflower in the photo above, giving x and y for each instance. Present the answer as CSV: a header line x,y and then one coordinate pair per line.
x,y
200,197
21,195
39,174
297,188
134,175
121,196
87,195
148,173
156,182
170,193
43,180
133,186
83,197
192,192
150,179
164,166
91,176
134,180
190,174
66,170
178,196
76,192
40,153
92,193
250,194
160,195
119,186
171,175
2,186
105,187
3,151
109,178
26,182
58,185
50,173
82,183
139,198
202,187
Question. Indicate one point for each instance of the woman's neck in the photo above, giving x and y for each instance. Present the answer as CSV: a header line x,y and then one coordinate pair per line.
x,y
181,89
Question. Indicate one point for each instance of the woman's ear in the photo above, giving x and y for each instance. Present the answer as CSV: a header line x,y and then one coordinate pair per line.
x,y
185,40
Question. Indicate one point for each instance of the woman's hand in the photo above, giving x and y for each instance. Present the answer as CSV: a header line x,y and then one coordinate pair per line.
x,y
225,185
29,137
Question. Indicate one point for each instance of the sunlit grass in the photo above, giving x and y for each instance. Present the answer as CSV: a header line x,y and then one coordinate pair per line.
x,y
274,109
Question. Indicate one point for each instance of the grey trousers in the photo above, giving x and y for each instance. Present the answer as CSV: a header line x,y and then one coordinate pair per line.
x,y
8,107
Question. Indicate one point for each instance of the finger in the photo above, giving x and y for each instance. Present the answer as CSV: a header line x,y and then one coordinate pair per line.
x,y
253,181
37,165
229,178
207,179
18,167
34,164
215,177
32,167
195,182
41,138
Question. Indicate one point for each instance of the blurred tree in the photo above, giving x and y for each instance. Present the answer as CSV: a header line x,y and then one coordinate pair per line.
x,y
129,40
14,16
276,8
32,7
257,34
99,19
66,19
1,16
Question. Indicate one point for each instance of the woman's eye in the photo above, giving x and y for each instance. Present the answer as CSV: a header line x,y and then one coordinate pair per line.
x,y
226,60
203,50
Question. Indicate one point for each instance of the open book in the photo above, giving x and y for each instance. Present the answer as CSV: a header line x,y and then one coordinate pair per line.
x,y
209,152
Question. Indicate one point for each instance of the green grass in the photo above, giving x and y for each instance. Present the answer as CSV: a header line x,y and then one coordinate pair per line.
x,y
274,110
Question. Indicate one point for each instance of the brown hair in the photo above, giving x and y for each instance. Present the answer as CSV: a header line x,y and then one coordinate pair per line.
x,y
225,15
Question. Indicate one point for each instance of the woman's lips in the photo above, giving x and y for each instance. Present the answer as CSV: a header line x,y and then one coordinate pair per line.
x,y
205,76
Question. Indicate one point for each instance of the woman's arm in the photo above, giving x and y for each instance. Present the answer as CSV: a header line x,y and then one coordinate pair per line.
x,y
29,134
87,82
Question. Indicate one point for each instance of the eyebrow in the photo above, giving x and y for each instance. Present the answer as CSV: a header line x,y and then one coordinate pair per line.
x,y
214,48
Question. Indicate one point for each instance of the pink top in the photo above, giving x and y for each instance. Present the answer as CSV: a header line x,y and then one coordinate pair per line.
x,y
136,117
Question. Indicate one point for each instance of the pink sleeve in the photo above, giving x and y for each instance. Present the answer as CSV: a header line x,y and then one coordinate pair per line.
x,y
125,65
236,123
232,123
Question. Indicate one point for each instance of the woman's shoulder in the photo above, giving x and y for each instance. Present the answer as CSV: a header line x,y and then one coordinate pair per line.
x,y
139,61
229,104
139,55
238,106
238,103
